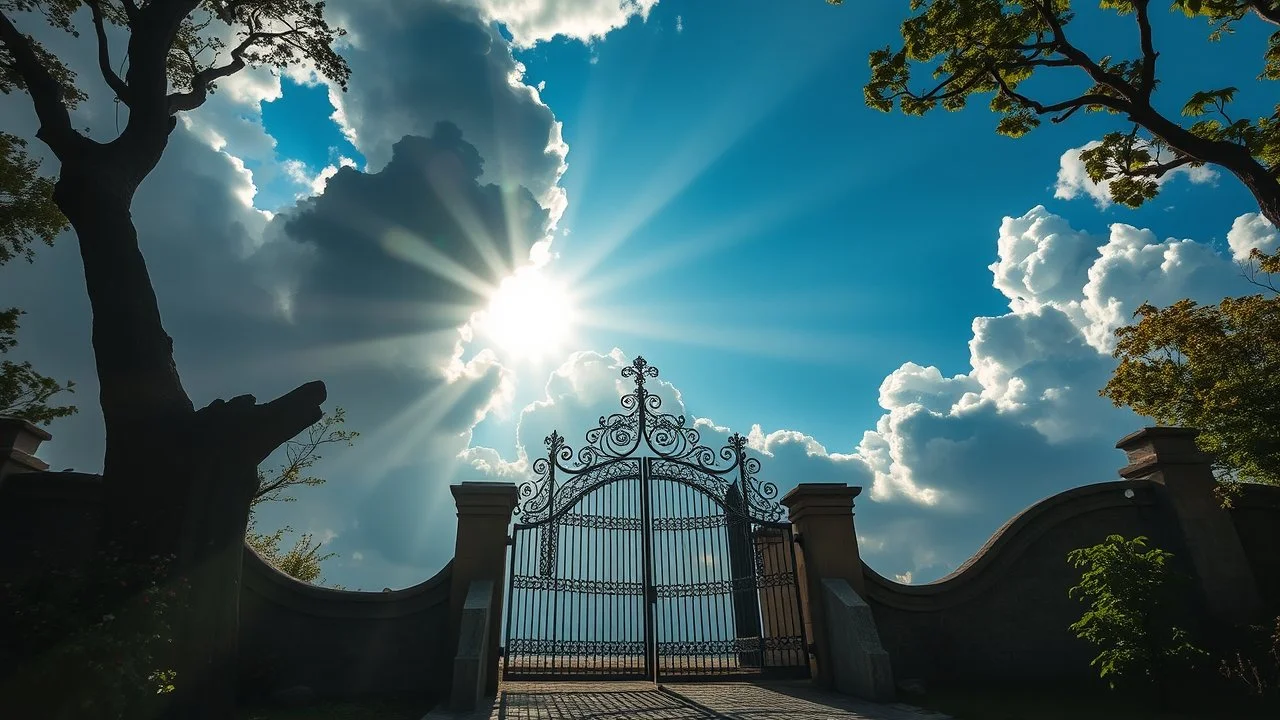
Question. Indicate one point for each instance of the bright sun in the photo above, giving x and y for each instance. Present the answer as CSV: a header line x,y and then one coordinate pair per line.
x,y
530,316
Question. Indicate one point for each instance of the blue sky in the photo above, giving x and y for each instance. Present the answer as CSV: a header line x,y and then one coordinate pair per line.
x,y
879,300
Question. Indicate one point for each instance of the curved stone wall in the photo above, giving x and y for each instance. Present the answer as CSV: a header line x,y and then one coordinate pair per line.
x,y
1005,613
338,643
341,643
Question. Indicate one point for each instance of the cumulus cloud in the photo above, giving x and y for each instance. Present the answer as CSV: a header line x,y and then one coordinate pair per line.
x,y
399,54
1249,232
954,456
1073,181
533,21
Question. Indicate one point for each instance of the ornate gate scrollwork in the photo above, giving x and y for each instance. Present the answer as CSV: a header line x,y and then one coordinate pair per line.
x,y
646,554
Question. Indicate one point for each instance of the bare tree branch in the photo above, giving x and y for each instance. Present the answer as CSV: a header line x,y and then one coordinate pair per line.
x,y
116,84
199,92
130,9
46,93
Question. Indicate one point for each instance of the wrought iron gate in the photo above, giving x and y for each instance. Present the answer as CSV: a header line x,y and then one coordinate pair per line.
x,y
647,555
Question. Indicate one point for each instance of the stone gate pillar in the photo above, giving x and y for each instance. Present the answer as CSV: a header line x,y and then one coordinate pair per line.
x,y
822,517
480,553
19,441
1169,456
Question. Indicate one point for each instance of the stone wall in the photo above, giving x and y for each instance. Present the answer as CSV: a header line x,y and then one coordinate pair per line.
x,y
1256,515
342,644
339,644
1004,614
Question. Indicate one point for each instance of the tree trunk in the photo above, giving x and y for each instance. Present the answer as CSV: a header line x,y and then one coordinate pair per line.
x,y
1264,188
178,482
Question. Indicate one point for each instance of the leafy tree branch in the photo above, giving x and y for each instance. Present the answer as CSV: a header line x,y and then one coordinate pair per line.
x,y
992,47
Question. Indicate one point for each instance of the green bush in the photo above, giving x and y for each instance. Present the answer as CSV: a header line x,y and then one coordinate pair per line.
x,y
1132,612
92,640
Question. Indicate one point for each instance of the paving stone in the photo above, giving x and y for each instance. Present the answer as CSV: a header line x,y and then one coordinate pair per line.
x,y
678,701
798,701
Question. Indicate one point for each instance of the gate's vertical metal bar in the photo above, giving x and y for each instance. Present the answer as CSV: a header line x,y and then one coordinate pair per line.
x,y
650,595
683,579
713,538
611,618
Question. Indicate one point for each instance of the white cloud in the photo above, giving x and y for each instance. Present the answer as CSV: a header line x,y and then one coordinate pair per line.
x,y
1251,231
1073,181
532,21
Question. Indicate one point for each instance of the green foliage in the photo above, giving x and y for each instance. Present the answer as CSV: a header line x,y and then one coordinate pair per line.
x,y
969,48
96,637
303,559
1212,367
300,455
1128,588
25,393
27,215
27,211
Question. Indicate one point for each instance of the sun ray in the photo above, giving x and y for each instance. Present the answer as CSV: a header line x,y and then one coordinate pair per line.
x,y
406,246
722,127
463,213
778,343
592,282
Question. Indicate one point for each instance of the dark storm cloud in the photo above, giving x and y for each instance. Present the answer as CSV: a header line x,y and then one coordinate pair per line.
x,y
425,203
420,63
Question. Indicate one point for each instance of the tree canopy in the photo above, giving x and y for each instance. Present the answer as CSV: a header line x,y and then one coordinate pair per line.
x,y
177,52
28,216
993,48
1212,367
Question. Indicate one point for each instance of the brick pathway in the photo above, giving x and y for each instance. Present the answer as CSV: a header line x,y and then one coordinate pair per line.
x,y
680,701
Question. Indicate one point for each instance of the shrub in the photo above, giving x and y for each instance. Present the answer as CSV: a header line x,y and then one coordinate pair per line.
x,y
1130,618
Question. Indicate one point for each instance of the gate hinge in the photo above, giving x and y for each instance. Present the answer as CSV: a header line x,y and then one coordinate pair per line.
x,y
798,539
511,540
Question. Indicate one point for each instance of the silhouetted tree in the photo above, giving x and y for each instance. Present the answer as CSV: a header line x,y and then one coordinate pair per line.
x,y
178,481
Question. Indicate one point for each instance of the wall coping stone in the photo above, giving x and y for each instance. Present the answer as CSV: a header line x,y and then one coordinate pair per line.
x,y
485,498
1151,448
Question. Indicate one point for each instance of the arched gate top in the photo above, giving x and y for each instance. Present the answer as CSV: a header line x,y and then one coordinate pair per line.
x,y
666,444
